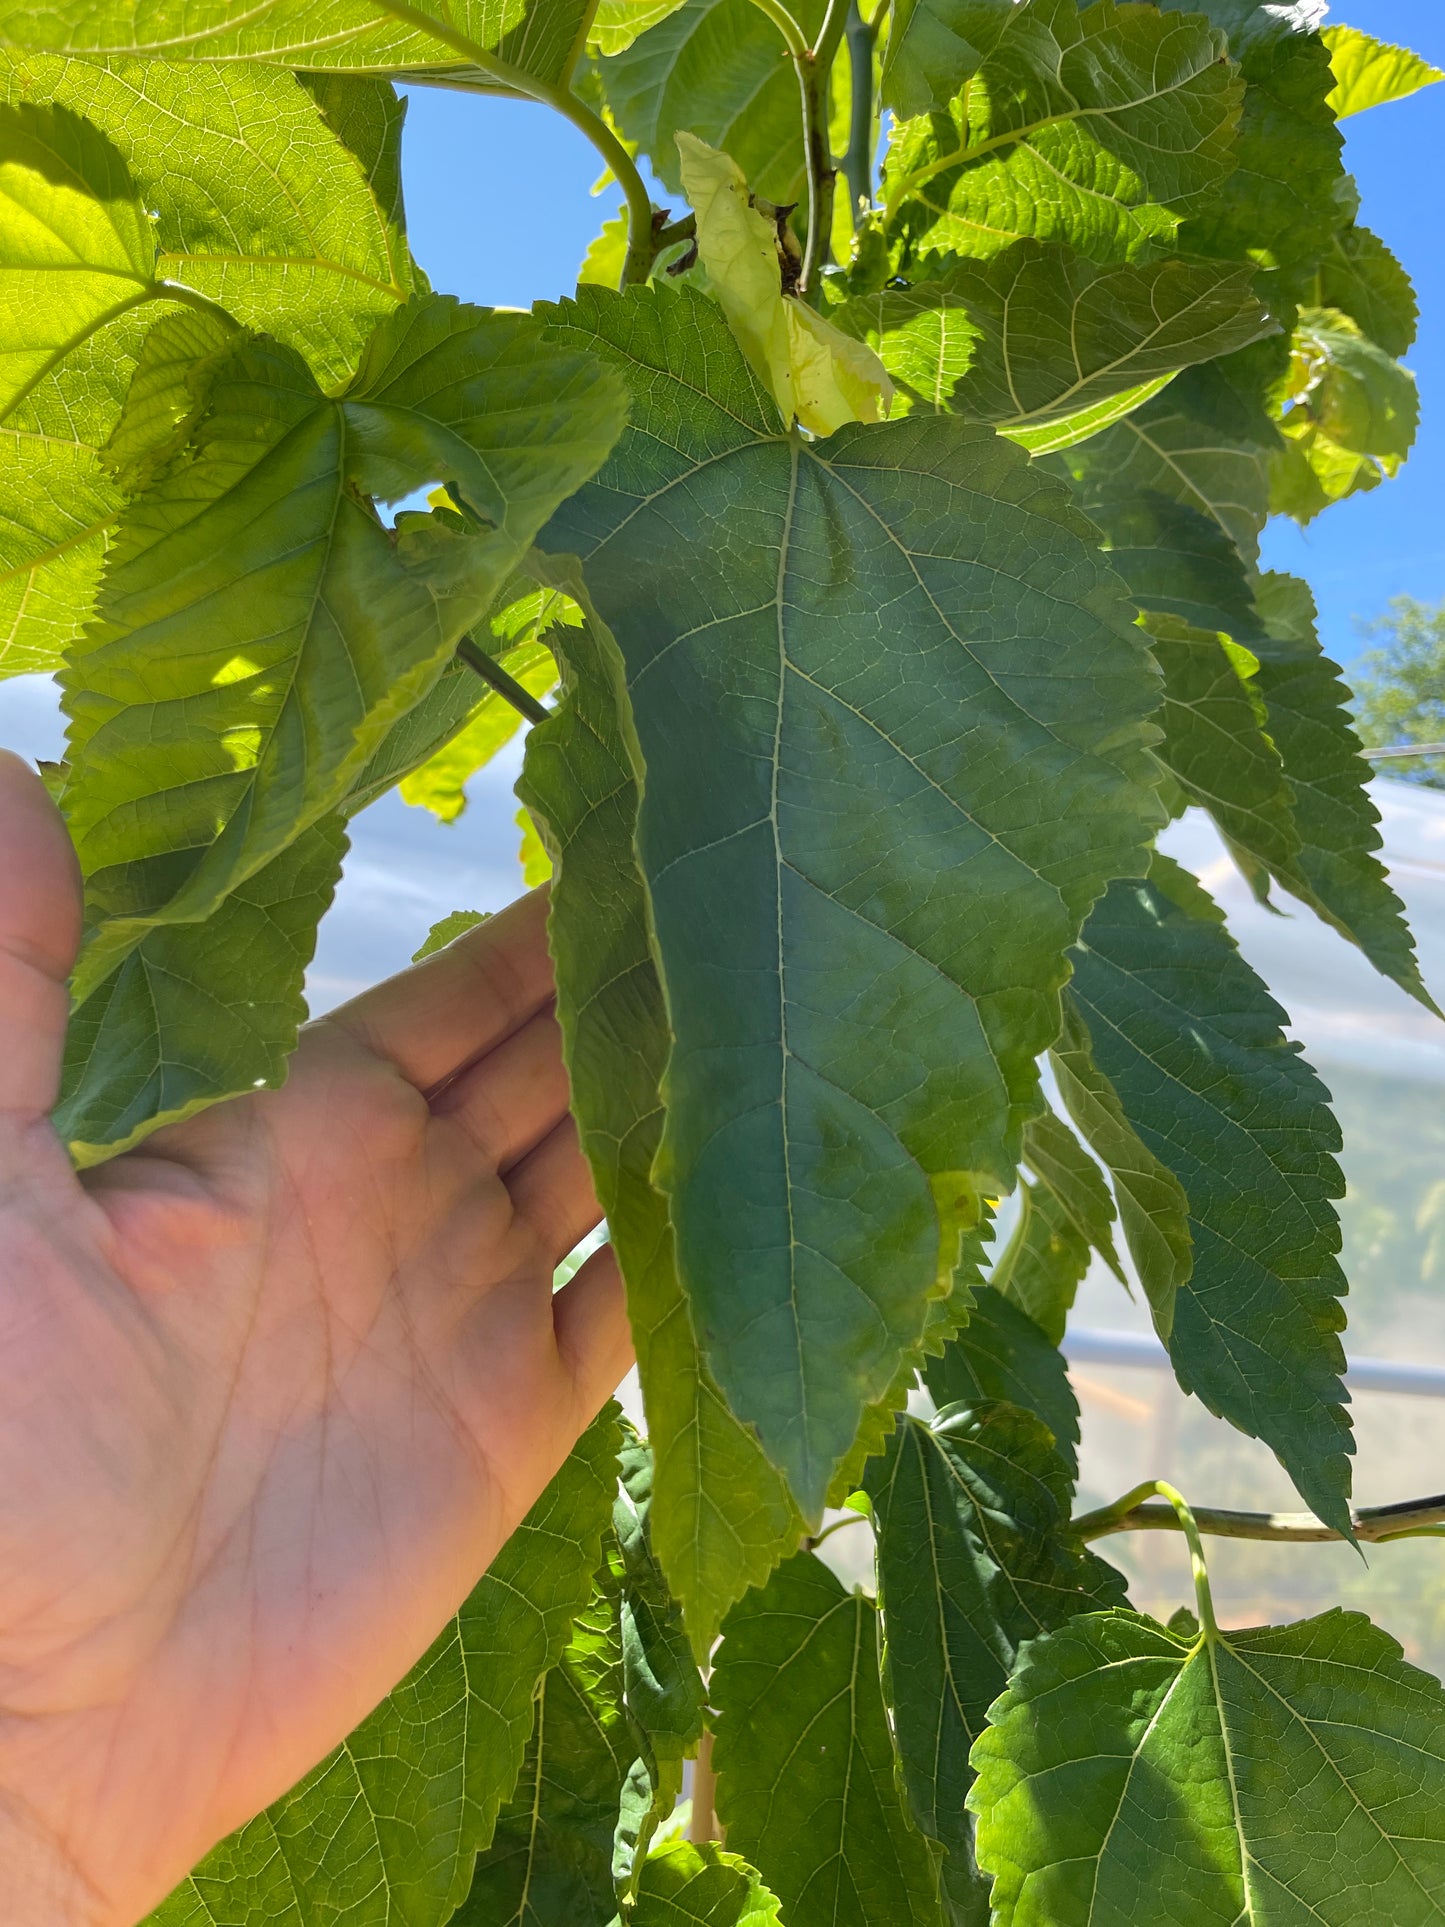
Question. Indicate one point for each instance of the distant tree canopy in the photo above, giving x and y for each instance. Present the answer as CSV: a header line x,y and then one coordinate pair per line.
x,y
1400,687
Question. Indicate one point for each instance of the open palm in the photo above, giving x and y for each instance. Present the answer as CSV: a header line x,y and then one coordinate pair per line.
x,y
273,1389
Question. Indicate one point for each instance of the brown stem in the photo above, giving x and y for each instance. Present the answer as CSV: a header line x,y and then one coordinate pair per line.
x,y
1409,1518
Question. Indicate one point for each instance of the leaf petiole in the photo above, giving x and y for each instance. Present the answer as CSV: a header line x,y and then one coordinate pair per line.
x,y
507,687
1112,1519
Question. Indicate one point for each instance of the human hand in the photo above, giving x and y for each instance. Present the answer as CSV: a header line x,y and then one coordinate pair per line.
x,y
274,1389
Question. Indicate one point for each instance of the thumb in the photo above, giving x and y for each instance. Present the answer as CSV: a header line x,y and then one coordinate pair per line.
x,y
40,911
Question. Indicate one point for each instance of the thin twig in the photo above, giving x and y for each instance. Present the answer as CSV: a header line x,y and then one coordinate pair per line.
x,y
1410,1518
702,1826
1404,749
507,687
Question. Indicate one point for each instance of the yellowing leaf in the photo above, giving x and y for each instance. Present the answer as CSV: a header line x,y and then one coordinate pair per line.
x,y
1371,73
815,373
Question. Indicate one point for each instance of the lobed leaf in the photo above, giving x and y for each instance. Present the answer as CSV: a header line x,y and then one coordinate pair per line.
x,y
836,652
684,1885
1370,73
1350,416
1288,1774
384,1832
974,1558
1039,334
717,69
721,1516
806,1780
1001,1354
1191,1043
1102,128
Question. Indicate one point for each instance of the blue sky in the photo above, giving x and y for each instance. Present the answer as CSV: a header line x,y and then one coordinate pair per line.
x,y
500,210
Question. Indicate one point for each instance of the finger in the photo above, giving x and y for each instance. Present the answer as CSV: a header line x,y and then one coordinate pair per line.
x,y
432,1019
552,1189
40,910
594,1342
510,1099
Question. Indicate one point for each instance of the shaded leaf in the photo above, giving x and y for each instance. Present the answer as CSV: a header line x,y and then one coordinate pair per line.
x,y
550,1858
1153,1209
716,69
1338,873
1285,195
721,1517
1044,1262
1191,1042
933,46
1053,1153
1040,334
169,388
197,1008
974,1557
384,1832
1361,278
836,651
1102,128
1370,72
701,1886
1177,562
806,1778
1002,1354
1285,1774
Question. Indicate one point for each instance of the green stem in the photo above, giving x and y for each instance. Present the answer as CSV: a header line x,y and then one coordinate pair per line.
x,y
858,161
1112,1518
787,26
640,252
814,65
202,303
815,1539
1409,1518
493,674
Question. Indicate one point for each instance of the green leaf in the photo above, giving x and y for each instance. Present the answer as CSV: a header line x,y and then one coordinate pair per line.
x,y
717,69
1306,704
1191,1042
849,662
721,1517
1176,446
1177,563
1361,278
384,1832
261,631
974,1557
1102,128
447,931
1288,190
1287,1774
1039,334
1002,1354
550,1858
1153,1209
1053,1153
197,1008
1350,416
1218,753
1044,1262
269,213
169,388
701,1886
933,46
362,36
1370,72
806,1774
367,116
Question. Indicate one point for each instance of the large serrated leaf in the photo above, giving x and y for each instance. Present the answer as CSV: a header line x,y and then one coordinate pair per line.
x,y
933,46
1102,128
257,203
261,631
721,1517
1051,334
1191,1042
717,69
806,1775
974,1558
849,663
1338,873
384,1832
1361,278
1289,1775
